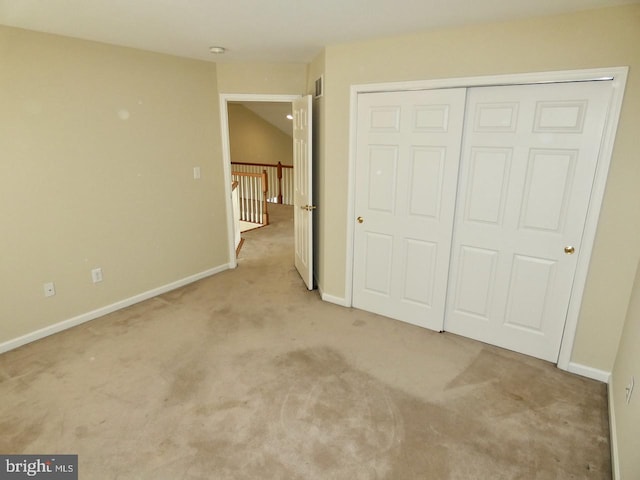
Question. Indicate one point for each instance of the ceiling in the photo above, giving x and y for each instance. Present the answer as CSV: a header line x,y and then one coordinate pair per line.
x,y
263,30
273,112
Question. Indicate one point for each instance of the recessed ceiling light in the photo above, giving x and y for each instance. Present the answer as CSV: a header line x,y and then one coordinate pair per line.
x,y
290,117
217,49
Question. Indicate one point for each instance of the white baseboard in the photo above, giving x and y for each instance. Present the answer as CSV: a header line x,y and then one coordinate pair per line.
x,y
613,436
589,372
85,317
333,299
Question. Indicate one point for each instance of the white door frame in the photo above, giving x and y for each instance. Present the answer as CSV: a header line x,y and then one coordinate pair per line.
x,y
225,98
618,75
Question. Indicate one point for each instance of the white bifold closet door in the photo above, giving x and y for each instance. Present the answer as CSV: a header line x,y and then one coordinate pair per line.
x,y
471,204
528,163
407,169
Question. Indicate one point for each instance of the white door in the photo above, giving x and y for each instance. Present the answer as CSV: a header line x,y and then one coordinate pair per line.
x,y
408,150
302,192
528,163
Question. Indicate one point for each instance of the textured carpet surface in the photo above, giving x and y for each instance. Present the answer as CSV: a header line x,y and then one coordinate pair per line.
x,y
247,375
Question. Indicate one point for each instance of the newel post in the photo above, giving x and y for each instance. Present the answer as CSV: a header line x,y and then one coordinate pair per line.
x,y
279,182
265,187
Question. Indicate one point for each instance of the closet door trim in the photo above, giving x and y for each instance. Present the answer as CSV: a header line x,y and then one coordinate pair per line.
x,y
618,78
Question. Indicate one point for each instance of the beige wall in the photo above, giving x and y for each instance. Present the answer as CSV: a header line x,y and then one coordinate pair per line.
x,y
606,37
254,140
262,78
627,416
98,149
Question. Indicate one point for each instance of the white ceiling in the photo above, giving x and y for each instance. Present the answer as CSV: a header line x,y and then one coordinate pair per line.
x,y
262,30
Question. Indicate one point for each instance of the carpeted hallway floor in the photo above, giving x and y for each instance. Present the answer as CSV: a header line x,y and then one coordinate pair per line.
x,y
247,375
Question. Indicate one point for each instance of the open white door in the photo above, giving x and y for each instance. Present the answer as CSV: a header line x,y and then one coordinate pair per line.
x,y
302,200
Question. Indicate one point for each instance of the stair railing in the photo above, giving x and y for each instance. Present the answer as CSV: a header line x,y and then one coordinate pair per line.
x,y
252,196
280,179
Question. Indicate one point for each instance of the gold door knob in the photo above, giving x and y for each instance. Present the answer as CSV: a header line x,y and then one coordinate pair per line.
x,y
308,208
569,250
360,219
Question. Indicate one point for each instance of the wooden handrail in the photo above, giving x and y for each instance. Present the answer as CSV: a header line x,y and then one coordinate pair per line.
x,y
262,164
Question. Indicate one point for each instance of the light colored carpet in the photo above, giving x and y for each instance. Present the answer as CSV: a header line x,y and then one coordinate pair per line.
x,y
247,375
246,226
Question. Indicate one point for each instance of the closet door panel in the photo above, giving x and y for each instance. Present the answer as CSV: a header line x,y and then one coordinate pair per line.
x,y
528,163
408,151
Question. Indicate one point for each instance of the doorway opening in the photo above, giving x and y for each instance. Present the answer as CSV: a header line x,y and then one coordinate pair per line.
x,y
243,110
261,150
249,153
